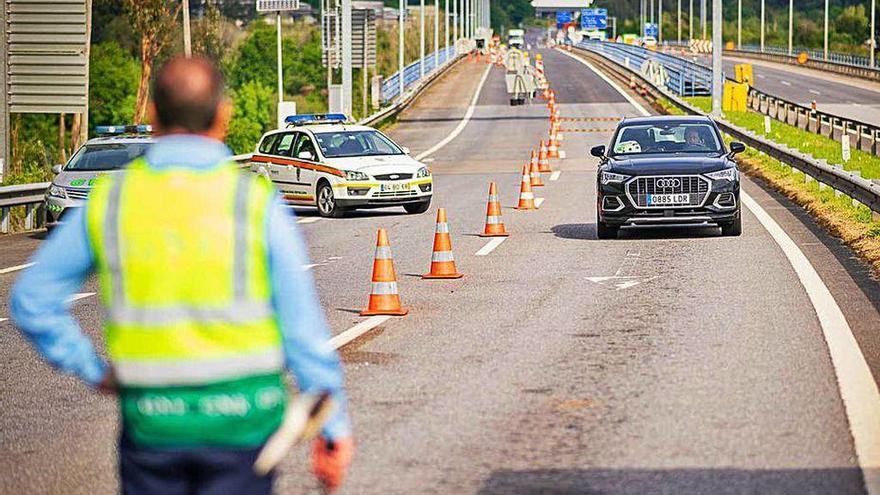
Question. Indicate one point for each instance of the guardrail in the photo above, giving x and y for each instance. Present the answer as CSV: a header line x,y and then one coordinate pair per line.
x,y
851,184
412,72
30,196
683,77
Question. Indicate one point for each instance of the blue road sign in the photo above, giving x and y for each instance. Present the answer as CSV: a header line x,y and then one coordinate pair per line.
x,y
651,29
563,17
594,19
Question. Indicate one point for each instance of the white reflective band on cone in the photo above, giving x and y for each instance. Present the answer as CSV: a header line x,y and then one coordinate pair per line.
x,y
526,178
493,220
442,256
384,288
442,228
383,253
195,371
527,195
493,198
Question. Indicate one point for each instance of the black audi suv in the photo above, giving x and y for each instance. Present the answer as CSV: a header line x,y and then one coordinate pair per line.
x,y
667,171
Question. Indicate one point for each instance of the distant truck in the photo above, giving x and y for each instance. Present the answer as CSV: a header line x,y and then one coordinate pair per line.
x,y
516,38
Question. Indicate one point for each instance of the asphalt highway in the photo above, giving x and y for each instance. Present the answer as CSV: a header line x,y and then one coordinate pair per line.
x,y
661,362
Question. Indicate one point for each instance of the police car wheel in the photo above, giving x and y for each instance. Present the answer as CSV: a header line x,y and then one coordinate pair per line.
x,y
327,205
416,208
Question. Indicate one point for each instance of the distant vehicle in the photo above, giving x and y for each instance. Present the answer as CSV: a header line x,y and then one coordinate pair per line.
x,y
667,171
516,38
322,161
649,41
593,35
113,149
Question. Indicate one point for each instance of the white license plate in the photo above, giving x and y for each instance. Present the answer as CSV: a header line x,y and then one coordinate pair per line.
x,y
667,199
395,187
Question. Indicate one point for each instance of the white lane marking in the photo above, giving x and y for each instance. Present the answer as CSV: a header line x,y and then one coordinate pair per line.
x,y
3,319
308,220
861,398
555,175
762,76
785,83
77,297
464,121
16,268
356,331
310,266
538,202
620,282
608,80
562,154
815,92
858,390
490,246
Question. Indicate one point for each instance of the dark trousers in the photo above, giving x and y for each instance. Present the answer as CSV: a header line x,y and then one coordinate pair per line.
x,y
195,471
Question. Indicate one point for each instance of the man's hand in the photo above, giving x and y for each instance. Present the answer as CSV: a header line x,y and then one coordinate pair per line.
x,y
108,384
330,460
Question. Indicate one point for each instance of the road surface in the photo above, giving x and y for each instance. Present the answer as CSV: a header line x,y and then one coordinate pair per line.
x,y
661,362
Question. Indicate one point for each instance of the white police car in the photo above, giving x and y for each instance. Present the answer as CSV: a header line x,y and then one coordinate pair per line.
x,y
113,149
319,160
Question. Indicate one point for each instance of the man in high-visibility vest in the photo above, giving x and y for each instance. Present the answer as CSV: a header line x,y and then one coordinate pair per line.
x,y
200,269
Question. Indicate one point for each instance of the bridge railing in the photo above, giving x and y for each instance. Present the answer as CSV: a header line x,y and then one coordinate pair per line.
x,y
684,78
412,72
849,183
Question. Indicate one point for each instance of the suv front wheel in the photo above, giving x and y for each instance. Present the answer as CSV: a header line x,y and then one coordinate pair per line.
x,y
327,205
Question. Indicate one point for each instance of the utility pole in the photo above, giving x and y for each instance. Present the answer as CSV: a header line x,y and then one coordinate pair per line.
x,y
739,23
651,10
187,36
400,45
691,21
422,39
446,26
347,103
642,17
717,26
278,54
703,17
436,33
762,24
660,21
791,27
679,21
873,45
825,50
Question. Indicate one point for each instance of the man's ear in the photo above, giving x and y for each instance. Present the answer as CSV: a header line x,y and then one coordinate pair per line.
x,y
221,120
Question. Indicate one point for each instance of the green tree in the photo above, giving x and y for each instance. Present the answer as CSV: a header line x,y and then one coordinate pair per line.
x,y
253,114
114,75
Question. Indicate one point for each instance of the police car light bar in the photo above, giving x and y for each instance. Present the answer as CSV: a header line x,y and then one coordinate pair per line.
x,y
106,130
316,118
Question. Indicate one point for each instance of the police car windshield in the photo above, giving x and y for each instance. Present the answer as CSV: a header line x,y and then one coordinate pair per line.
x,y
109,156
666,137
355,143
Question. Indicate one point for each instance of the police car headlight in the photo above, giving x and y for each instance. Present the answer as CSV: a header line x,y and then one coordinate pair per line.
x,y
423,172
609,177
352,175
57,192
726,174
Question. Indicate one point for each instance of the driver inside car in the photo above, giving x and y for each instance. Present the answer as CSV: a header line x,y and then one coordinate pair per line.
x,y
693,138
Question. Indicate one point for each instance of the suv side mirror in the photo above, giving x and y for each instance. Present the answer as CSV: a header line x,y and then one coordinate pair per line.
x,y
736,147
598,151
56,169
305,155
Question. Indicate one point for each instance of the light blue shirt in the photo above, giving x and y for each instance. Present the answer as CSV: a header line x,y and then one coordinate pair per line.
x,y
64,261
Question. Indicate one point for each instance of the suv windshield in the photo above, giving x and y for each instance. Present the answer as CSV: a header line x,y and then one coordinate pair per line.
x,y
666,137
355,143
110,156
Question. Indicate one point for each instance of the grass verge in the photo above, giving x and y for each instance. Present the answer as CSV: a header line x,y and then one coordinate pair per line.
x,y
854,225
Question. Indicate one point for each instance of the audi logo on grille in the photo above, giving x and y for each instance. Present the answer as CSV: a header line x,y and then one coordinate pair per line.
x,y
668,183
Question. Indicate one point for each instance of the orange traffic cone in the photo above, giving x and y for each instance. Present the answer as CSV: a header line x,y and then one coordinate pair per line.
x,y
553,146
384,298
442,261
534,172
494,224
543,159
526,196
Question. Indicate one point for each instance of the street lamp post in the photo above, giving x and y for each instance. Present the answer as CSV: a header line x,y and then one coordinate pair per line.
x,y
679,21
400,45
739,23
422,39
825,49
717,26
873,45
436,33
762,25
446,25
691,21
660,21
703,16
790,26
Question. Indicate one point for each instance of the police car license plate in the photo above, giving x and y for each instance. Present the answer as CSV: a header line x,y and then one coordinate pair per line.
x,y
395,187
667,199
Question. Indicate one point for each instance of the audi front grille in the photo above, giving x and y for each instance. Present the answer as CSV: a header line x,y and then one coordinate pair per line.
x,y
696,187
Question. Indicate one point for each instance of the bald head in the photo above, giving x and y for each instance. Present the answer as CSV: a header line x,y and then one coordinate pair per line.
x,y
187,96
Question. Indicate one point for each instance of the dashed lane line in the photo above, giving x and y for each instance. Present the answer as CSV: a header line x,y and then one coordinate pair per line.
x,y
308,219
16,268
858,390
539,202
784,82
490,246
82,295
555,175
815,92
356,331
464,121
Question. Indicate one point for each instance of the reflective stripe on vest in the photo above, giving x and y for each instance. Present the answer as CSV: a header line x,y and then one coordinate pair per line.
x,y
150,373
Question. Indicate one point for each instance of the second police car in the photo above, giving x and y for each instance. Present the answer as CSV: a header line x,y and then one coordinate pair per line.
x,y
321,161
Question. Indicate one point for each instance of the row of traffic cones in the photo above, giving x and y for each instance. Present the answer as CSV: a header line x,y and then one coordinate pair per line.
x,y
385,296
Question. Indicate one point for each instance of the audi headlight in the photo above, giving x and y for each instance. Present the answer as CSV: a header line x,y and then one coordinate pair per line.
x,y
57,192
423,172
352,175
726,174
609,177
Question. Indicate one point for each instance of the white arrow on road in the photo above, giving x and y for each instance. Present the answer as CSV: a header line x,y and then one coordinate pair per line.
x,y
620,282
